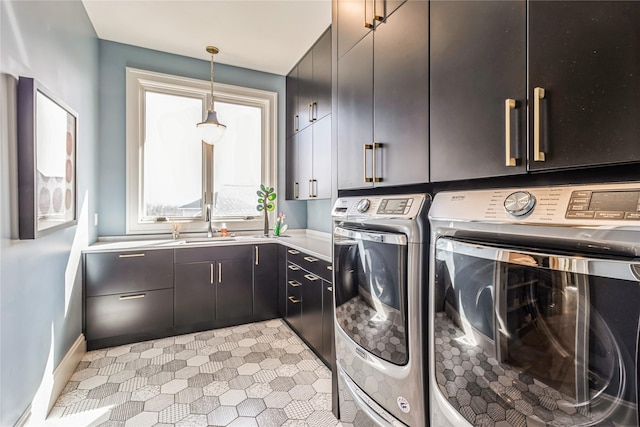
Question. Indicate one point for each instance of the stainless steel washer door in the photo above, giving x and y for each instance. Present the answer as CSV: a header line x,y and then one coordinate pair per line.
x,y
370,291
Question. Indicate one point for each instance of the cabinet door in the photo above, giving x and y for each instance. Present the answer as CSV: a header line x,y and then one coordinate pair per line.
x,y
265,281
234,290
312,310
292,102
354,20
292,186
322,76
354,117
327,322
305,90
586,57
195,294
478,60
401,96
282,280
305,163
321,185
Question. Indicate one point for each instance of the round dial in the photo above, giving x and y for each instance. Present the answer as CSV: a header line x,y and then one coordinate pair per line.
x,y
363,205
519,203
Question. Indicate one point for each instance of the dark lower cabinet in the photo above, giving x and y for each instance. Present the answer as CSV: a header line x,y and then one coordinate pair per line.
x,y
234,291
265,281
309,301
327,352
195,293
121,318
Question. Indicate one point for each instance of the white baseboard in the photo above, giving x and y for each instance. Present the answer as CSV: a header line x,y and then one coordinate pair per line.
x,y
52,387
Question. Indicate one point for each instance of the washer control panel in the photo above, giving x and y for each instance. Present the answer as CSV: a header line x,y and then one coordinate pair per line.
x,y
401,206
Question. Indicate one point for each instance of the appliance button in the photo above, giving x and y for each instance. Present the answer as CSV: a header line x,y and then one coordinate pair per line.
x,y
363,205
586,194
632,215
519,203
580,214
578,207
609,215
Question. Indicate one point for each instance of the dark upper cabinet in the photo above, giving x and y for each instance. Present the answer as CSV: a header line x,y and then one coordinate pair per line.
x,y
292,118
265,281
309,136
585,55
582,99
356,18
383,103
478,62
308,86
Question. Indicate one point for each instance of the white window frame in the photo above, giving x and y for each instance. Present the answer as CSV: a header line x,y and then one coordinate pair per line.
x,y
137,83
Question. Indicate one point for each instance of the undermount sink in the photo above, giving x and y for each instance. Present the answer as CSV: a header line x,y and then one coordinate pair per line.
x,y
205,240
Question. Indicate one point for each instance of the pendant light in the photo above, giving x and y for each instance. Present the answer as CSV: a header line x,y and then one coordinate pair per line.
x,y
211,130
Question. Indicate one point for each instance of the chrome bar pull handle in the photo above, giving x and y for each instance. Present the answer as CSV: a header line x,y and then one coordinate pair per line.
x,y
257,255
296,122
311,112
376,17
295,190
211,273
219,272
310,188
131,255
128,297
538,94
376,145
366,147
509,104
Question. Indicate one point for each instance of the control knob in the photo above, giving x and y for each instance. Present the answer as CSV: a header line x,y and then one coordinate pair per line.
x,y
363,205
519,203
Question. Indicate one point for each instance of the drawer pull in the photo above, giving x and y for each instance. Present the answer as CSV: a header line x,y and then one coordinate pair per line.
x,y
131,297
538,94
211,273
292,267
219,272
294,300
294,283
131,255
330,267
310,277
257,255
330,288
293,252
310,259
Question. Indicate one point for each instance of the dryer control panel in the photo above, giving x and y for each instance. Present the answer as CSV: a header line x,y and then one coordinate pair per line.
x,y
605,204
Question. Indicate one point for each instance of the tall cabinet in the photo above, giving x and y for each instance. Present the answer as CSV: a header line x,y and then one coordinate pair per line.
x,y
579,109
383,97
309,124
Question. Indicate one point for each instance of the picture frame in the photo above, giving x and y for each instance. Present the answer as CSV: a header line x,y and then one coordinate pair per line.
x,y
47,142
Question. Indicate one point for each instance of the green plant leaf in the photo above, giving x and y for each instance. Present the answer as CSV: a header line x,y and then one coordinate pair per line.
x,y
271,190
270,206
262,187
260,207
260,200
272,196
260,193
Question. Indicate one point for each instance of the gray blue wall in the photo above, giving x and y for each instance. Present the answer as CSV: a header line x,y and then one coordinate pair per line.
x,y
114,58
40,286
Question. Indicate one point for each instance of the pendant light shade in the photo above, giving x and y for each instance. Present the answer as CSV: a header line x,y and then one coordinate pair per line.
x,y
211,130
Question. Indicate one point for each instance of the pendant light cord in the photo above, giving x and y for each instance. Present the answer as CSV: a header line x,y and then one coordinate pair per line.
x,y
211,100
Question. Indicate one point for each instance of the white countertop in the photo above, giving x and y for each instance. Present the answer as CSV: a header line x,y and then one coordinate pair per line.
x,y
312,242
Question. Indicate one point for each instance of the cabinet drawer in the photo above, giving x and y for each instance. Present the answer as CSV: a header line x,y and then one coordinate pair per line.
x,y
209,253
112,273
130,313
310,263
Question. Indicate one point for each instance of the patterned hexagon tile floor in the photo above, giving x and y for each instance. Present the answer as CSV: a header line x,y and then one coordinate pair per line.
x,y
259,374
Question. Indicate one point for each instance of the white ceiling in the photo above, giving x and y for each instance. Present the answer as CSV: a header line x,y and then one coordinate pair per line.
x,y
264,35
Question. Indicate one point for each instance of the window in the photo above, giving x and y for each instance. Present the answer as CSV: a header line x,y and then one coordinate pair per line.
x,y
172,175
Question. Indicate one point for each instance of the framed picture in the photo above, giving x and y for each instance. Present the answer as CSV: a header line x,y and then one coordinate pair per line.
x,y
47,132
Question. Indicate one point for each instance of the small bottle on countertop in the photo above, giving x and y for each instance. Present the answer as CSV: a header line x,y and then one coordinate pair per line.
x,y
223,230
